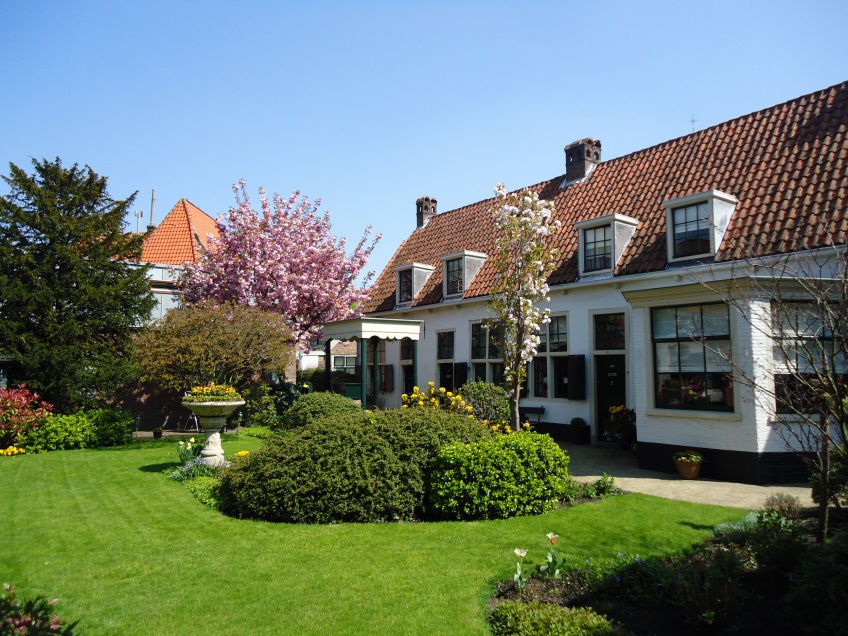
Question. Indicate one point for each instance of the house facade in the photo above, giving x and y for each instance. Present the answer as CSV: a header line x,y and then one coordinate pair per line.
x,y
647,243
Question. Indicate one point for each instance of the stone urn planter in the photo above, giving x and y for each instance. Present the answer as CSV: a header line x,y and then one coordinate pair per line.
x,y
688,463
212,417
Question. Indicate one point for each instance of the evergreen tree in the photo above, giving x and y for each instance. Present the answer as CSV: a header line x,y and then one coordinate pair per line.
x,y
71,294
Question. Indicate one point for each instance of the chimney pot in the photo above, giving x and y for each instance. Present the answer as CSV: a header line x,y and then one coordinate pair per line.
x,y
425,209
581,157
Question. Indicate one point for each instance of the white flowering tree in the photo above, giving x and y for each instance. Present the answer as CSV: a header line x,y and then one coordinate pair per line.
x,y
523,262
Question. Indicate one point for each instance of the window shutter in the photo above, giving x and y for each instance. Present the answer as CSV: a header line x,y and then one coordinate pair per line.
x,y
577,377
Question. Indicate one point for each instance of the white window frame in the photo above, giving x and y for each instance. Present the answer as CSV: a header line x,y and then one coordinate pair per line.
x,y
720,208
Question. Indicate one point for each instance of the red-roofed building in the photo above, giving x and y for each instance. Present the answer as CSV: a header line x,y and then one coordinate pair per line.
x,y
636,234
180,238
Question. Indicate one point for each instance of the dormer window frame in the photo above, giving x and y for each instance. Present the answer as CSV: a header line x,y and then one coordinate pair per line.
x,y
712,220
620,230
459,270
419,273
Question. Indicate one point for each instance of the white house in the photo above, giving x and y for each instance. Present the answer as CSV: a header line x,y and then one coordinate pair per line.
x,y
631,322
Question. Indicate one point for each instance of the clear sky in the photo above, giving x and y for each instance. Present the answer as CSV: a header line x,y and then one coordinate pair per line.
x,y
370,105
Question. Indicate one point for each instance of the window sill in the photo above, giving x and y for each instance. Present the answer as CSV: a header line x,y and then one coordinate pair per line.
x,y
717,416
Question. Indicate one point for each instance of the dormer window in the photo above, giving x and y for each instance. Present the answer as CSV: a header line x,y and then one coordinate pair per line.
x,y
697,223
691,225
598,242
453,277
460,269
405,286
601,242
410,279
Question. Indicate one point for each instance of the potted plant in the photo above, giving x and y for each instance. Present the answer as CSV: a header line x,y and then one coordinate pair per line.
x,y
212,403
580,433
623,425
688,463
157,432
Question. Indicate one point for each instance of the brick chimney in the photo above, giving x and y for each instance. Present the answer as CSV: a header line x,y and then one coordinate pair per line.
x,y
425,209
580,158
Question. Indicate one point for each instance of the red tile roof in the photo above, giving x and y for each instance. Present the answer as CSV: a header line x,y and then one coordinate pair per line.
x,y
787,165
180,237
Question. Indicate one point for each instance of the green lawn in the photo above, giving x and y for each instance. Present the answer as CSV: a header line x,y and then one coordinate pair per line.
x,y
128,551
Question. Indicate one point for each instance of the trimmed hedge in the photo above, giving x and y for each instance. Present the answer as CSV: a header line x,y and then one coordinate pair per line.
x,y
314,406
509,475
91,429
513,618
356,467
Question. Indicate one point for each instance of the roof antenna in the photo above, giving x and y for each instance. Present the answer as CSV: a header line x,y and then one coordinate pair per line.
x,y
692,121
150,226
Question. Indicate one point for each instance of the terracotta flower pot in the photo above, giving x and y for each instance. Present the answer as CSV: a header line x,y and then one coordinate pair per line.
x,y
688,470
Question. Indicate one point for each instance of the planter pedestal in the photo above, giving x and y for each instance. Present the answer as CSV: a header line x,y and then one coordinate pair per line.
x,y
212,417
688,470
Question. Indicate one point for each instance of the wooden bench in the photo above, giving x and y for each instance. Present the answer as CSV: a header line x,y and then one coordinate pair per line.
x,y
525,411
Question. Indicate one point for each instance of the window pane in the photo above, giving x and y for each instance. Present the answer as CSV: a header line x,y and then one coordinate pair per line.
x,y
691,230
494,343
446,376
406,349
478,341
689,322
716,321
540,377
454,276
560,376
497,373
445,345
543,339
609,331
668,390
479,371
691,356
405,285
558,330
667,360
718,356
665,323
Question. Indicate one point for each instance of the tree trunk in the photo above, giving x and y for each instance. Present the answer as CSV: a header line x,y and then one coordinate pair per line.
x,y
824,491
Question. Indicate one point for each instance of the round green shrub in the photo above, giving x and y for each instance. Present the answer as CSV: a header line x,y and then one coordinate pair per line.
x,y
509,475
489,402
60,432
314,406
513,618
205,488
112,428
357,467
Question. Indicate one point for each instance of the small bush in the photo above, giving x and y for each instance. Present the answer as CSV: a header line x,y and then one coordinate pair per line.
x,y
509,475
544,619
776,541
816,603
112,428
206,489
60,432
356,467
489,402
20,410
600,488
736,531
314,406
784,504
260,432
707,581
192,469
34,616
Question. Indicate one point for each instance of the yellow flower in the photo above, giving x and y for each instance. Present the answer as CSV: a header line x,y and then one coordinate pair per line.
x,y
442,390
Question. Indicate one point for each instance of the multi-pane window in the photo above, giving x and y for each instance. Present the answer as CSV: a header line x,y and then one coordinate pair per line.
x,y
551,360
405,286
407,364
453,276
486,356
692,364
691,230
597,243
809,347
344,364
609,332
444,355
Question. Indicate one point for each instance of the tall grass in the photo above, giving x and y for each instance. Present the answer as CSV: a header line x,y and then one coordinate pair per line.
x,y
128,551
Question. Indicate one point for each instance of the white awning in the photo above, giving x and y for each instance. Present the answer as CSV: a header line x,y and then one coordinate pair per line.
x,y
365,328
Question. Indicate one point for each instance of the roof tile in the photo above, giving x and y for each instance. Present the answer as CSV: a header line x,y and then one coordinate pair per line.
x,y
181,236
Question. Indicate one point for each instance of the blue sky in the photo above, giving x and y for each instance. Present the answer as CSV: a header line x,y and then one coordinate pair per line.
x,y
370,105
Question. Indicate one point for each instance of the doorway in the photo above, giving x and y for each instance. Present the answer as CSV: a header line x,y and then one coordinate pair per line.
x,y
610,390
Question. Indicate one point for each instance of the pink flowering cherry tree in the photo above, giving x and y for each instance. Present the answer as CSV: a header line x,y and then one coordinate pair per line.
x,y
523,262
283,259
